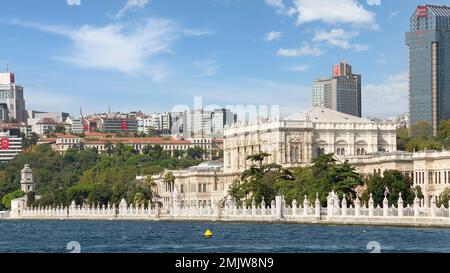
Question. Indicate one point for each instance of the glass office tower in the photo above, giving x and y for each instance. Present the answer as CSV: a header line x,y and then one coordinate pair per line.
x,y
342,92
429,65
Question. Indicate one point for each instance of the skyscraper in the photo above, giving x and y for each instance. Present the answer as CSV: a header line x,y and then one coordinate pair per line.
x,y
12,103
341,92
429,65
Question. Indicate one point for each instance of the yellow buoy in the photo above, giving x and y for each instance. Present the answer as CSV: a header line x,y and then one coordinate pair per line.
x,y
208,233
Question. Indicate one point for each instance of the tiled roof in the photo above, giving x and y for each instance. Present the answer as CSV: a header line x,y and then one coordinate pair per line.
x,y
322,114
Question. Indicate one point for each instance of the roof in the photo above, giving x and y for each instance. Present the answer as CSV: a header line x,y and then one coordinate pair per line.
x,y
439,10
144,140
207,166
59,135
319,114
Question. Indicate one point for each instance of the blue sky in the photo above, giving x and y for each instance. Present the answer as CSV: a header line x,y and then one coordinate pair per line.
x,y
152,55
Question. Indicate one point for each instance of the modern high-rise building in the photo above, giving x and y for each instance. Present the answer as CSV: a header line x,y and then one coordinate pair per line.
x,y
203,123
12,102
342,92
429,65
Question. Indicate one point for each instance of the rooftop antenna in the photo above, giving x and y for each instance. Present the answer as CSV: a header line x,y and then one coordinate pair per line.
x,y
81,111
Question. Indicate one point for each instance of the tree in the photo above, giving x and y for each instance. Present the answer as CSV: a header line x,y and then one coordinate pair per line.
x,y
109,147
6,200
444,197
392,183
257,182
195,153
421,129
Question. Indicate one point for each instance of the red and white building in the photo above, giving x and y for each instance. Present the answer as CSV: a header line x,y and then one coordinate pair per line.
x,y
10,146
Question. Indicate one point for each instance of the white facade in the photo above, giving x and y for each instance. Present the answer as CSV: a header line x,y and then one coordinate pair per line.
x,y
12,102
297,139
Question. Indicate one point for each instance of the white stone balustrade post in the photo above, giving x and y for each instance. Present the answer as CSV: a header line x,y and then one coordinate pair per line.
x,y
357,206
416,206
263,207
123,207
385,206
330,204
371,206
400,205
272,208
433,206
317,206
253,208
305,205
279,207
344,205
294,207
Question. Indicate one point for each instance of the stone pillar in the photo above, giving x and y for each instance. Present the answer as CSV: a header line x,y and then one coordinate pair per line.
x,y
344,205
433,206
400,205
385,206
176,203
317,206
263,207
357,206
371,206
305,205
416,206
294,207
272,208
253,208
330,204
279,207
122,207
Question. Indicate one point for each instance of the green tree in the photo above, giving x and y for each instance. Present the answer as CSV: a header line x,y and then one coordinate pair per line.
x,y
444,197
392,183
6,200
254,183
421,129
195,153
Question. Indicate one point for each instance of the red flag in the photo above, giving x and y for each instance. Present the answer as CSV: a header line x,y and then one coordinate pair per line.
x,y
5,144
124,125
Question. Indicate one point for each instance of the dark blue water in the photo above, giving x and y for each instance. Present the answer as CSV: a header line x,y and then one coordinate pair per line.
x,y
148,237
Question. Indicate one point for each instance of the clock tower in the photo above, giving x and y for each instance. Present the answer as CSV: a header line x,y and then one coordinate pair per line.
x,y
26,181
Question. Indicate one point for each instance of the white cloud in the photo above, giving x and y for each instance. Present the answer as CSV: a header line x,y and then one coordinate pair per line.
x,y
392,94
278,5
73,2
374,2
131,5
392,15
296,68
273,35
208,68
128,48
340,38
381,59
305,50
333,12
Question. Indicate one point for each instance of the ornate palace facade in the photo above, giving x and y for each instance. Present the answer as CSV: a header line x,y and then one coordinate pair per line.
x,y
297,139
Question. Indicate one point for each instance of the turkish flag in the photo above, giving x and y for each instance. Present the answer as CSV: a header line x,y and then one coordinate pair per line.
x,y
124,125
5,144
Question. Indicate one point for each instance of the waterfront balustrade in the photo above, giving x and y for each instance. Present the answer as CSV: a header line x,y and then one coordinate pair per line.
x,y
337,210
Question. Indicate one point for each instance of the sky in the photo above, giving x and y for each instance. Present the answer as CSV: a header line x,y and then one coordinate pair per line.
x,y
157,55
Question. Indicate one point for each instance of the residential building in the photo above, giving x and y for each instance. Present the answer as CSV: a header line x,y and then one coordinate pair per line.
x,y
341,92
203,123
120,125
429,65
10,146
